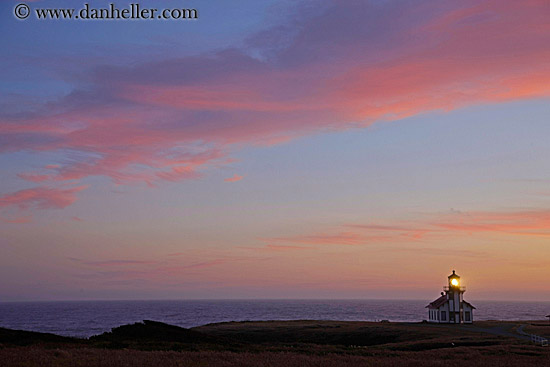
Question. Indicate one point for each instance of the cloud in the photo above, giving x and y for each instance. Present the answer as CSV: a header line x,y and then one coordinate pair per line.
x,y
171,119
342,238
409,230
18,220
526,223
41,198
33,177
519,222
162,270
235,178
168,264
284,247
276,248
206,264
434,251
451,224
113,262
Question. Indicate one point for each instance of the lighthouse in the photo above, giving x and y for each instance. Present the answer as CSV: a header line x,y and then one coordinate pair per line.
x,y
451,308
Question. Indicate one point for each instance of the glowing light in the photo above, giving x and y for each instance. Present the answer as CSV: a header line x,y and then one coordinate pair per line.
x,y
454,282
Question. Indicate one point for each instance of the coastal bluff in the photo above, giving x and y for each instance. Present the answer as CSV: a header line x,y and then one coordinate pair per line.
x,y
278,343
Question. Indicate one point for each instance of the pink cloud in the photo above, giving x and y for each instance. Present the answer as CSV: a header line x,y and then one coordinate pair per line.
x,y
206,264
527,223
519,223
172,119
177,173
284,247
33,177
434,251
276,248
342,238
362,235
18,220
41,198
409,230
114,262
162,271
235,178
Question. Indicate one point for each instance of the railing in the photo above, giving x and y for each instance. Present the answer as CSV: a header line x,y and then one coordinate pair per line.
x,y
539,340
447,288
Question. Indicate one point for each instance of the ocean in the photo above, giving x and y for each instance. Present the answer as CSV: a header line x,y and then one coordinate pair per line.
x,y
87,318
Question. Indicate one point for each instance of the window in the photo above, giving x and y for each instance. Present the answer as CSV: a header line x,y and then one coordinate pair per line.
x,y
443,315
467,316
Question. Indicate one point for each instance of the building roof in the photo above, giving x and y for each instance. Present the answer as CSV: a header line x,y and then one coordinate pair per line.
x,y
453,275
469,304
443,299
438,302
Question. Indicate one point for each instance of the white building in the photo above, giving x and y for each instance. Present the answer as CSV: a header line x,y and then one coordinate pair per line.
x,y
451,308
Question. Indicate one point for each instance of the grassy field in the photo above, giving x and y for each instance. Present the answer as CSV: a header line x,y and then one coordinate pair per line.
x,y
283,343
538,328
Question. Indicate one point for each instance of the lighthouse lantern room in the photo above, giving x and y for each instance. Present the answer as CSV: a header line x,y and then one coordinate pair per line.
x,y
451,308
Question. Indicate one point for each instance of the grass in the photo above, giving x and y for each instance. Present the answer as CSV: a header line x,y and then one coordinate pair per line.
x,y
277,343
538,328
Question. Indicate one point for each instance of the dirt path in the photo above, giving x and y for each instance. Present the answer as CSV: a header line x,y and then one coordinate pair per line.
x,y
504,329
520,330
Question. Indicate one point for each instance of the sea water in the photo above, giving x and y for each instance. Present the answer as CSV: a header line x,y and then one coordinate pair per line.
x,y
87,318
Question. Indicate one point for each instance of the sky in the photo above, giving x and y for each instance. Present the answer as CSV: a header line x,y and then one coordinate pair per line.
x,y
276,149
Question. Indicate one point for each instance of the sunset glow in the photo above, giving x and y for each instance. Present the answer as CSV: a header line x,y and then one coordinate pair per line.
x,y
333,152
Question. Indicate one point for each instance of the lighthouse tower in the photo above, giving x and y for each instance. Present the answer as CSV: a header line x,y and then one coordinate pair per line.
x,y
451,308
455,295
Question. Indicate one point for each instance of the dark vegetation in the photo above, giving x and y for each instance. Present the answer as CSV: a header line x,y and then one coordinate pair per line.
x,y
279,343
22,338
539,328
152,335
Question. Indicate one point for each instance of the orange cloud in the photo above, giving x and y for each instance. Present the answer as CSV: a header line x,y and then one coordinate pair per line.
x,y
342,238
284,247
276,248
529,223
523,223
235,178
